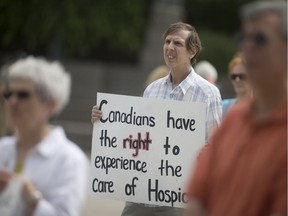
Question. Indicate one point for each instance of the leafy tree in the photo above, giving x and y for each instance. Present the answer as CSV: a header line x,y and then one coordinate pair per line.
x,y
217,22
217,15
79,28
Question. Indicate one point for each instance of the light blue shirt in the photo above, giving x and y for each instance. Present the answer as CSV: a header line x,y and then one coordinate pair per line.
x,y
226,104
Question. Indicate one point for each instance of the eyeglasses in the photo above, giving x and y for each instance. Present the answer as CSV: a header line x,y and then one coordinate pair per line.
x,y
21,94
258,38
240,76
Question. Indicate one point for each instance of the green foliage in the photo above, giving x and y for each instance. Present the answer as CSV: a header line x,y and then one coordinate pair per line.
x,y
217,22
78,27
218,48
217,15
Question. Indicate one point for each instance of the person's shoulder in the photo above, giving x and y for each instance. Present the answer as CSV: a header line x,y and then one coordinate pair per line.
x,y
207,88
68,147
155,85
203,82
238,110
228,102
76,150
243,105
234,119
158,82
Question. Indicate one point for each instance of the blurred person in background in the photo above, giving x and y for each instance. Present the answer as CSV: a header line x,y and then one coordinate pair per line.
x,y
180,49
206,70
51,168
238,76
157,73
244,169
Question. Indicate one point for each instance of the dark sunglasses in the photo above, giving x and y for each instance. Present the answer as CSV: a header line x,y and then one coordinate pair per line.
x,y
240,76
258,38
21,94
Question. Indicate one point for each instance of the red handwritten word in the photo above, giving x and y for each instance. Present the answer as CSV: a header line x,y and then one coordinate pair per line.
x,y
137,143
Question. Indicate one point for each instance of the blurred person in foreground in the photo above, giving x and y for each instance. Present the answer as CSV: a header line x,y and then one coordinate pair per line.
x,y
51,168
238,76
244,169
206,70
181,46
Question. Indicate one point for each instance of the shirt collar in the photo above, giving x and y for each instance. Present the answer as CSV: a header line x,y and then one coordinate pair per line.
x,y
186,83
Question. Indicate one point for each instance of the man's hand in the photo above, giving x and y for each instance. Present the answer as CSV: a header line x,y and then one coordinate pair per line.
x,y
96,114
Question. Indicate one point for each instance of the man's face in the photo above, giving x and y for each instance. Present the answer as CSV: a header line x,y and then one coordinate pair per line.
x,y
175,52
264,49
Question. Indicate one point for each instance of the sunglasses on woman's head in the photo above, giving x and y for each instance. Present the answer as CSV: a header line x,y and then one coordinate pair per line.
x,y
20,94
240,76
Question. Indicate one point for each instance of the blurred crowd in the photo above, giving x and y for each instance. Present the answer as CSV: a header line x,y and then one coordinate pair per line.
x,y
242,168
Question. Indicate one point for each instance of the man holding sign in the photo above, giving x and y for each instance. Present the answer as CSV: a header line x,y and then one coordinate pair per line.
x,y
181,46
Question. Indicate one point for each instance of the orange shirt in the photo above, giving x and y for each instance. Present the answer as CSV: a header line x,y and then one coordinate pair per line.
x,y
243,172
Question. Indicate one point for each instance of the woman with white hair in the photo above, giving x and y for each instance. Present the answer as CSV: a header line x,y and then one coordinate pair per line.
x,y
51,169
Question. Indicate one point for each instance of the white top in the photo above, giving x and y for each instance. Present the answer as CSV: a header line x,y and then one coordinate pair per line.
x,y
57,167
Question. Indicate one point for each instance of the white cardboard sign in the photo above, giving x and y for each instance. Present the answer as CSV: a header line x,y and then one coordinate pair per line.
x,y
143,149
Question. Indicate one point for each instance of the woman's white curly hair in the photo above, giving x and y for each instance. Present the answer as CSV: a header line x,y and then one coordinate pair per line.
x,y
51,79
